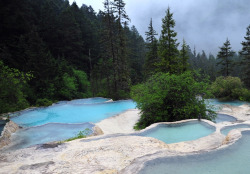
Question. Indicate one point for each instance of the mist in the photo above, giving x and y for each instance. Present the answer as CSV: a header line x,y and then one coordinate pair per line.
x,y
204,24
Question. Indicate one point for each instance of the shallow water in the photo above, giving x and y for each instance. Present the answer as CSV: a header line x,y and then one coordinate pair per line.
x,y
227,129
72,113
179,132
46,133
234,159
223,117
219,102
2,124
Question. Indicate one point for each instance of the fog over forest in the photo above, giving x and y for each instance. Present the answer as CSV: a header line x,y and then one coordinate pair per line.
x,y
204,24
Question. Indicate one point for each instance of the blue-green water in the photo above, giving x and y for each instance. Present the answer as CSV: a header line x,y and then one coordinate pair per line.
x,y
219,102
63,120
2,124
72,113
179,132
234,159
227,129
223,117
46,133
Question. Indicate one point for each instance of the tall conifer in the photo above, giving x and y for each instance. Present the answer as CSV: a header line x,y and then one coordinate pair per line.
x,y
245,53
225,58
168,51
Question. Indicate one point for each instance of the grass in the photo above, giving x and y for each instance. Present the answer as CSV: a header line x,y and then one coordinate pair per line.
x,y
79,135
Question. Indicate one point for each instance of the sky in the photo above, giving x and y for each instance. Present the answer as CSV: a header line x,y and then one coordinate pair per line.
x,y
204,24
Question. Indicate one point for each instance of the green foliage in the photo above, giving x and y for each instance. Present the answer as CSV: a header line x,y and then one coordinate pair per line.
x,y
226,87
166,97
245,53
245,95
79,135
168,46
43,102
151,56
12,83
225,58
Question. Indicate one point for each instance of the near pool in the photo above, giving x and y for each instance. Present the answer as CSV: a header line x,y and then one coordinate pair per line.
x,y
231,160
174,133
46,133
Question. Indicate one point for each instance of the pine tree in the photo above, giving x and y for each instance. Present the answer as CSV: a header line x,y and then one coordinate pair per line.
x,y
224,56
151,56
168,51
122,53
245,53
184,57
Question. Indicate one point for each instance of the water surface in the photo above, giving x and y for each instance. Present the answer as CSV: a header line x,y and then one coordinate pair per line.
x,y
234,159
174,133
46,133
72,113
227,129
223,117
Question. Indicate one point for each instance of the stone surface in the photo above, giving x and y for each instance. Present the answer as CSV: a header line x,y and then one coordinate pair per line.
x,y
9,128
116,151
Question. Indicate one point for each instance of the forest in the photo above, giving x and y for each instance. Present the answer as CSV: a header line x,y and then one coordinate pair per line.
x,y
51,50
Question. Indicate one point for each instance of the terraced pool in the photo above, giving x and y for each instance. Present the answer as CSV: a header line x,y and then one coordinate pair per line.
x,y
231,160
173,133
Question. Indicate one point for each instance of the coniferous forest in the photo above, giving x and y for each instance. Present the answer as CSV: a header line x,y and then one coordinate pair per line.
x,y
51,51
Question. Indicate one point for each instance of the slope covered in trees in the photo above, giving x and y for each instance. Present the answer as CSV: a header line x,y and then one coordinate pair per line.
x,y
70,52
51,50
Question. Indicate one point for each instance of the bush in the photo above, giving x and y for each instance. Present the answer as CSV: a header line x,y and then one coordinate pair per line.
x,y
166,97
12,82
227,88
245,95
43,102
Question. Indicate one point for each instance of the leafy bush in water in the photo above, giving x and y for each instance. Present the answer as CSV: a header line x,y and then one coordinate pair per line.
x,y
230,88
166,97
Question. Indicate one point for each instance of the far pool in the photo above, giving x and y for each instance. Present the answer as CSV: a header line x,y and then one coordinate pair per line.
x,y
231,160
220,102
223,117
72,112
174,133
227,129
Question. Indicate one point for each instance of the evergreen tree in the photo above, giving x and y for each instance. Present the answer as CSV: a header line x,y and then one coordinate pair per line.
x,y
168,51
184,57
225,58
123,69
245,53
151,45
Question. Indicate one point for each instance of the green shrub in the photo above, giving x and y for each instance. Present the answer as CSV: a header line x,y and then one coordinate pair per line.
x,y
43,102
245,95
166,97
227,88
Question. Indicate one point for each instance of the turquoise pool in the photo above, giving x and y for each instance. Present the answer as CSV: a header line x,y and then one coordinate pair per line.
x,y
46,133
234,159
219,102
72,112
223,117
227,129
174,133
63,120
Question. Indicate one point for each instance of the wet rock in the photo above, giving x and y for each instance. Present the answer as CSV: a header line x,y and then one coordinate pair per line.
x,y
9,128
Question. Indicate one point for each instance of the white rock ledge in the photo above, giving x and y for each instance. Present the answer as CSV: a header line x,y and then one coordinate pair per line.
x,y
116,151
